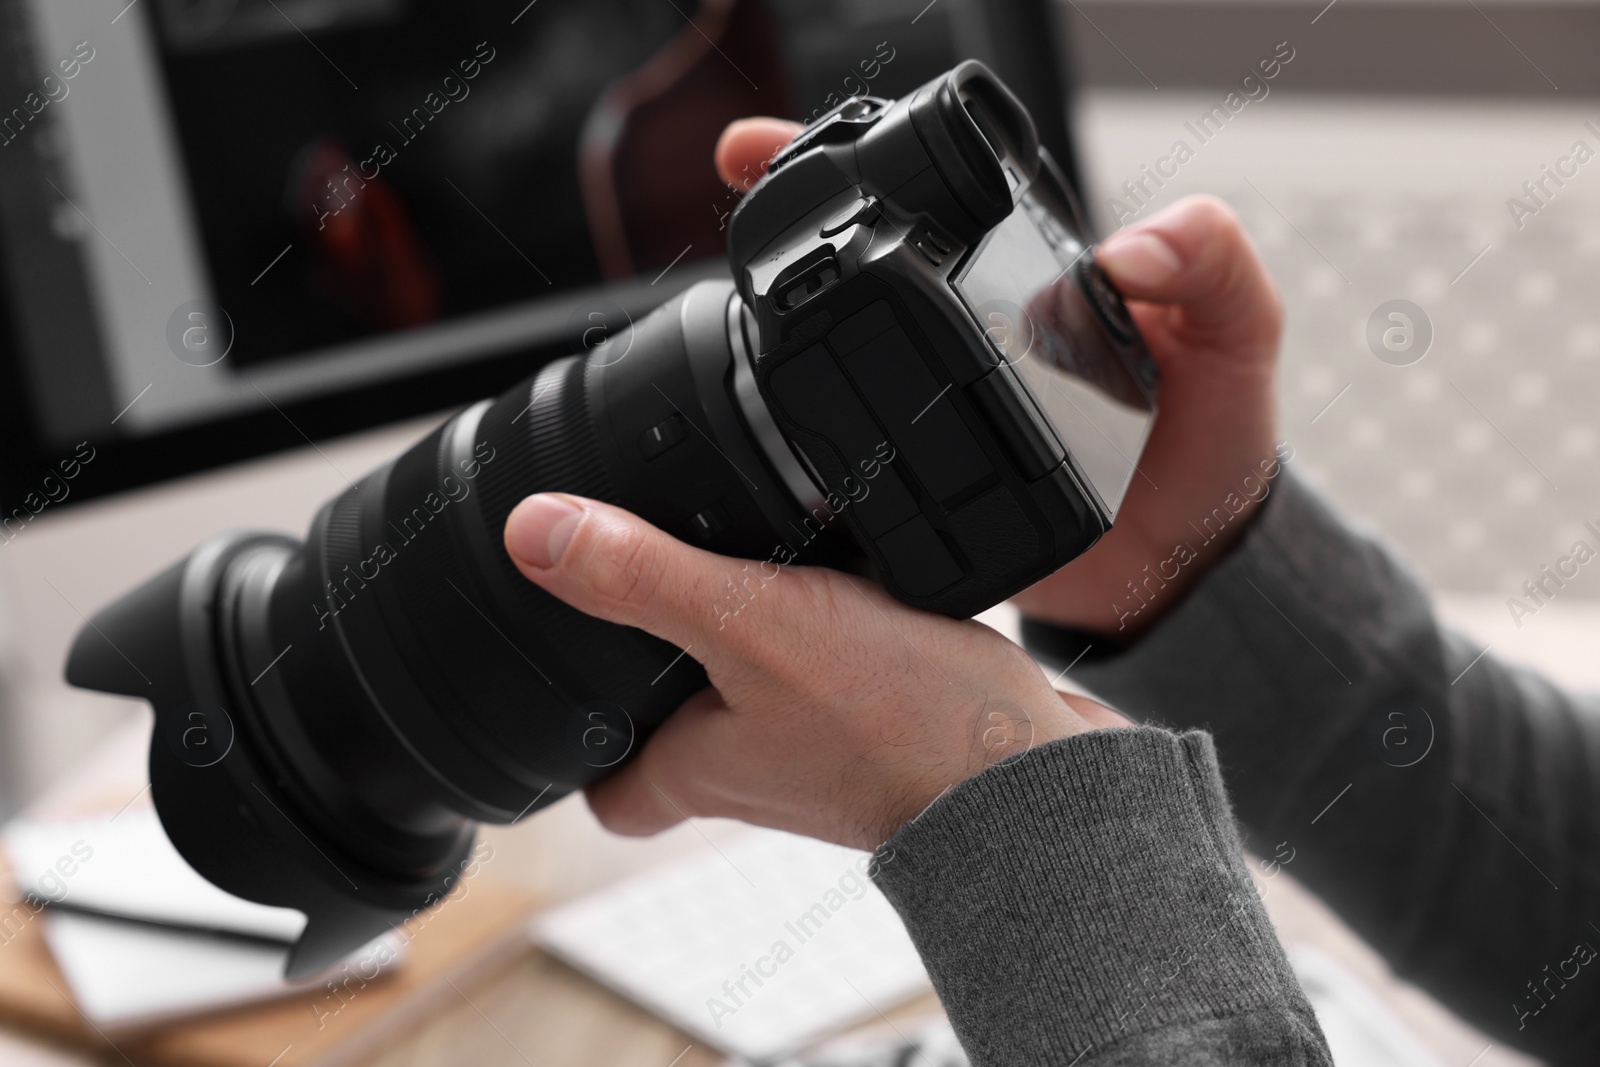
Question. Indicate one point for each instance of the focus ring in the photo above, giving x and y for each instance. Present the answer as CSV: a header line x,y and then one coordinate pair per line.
x,y
543,440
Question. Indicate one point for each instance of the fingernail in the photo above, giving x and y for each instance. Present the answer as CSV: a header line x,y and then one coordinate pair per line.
x,y
539,528
1139,260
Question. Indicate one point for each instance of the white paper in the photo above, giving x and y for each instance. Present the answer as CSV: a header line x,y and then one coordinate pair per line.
x,y
141,938
124,865
128,975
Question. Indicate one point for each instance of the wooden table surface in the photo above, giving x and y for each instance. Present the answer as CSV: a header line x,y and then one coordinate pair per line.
x,y
538,1012
535,1012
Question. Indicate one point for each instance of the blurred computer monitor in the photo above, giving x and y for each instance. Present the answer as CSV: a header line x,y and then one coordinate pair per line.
x,y
233,226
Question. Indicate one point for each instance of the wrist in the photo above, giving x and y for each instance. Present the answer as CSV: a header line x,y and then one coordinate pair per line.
x,y
1138,573
999,730
1152,584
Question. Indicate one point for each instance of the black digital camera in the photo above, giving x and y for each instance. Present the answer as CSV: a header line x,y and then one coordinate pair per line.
x,y
918,343
901,260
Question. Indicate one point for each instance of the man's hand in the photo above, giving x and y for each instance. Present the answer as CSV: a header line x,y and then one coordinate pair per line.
x,y
835,712
1212,320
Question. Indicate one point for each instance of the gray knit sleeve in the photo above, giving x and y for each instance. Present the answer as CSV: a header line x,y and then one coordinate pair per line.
x,y
1086,903
1445,804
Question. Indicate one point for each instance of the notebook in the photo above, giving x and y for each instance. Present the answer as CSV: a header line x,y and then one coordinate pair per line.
x,y
169,971
122,864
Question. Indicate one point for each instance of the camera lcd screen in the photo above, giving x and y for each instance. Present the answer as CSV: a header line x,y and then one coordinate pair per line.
x,y
1098,406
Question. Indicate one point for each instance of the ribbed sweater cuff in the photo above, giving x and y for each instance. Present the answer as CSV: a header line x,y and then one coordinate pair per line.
x,y
1085,892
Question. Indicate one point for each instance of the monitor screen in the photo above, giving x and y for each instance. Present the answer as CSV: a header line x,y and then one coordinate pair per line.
x,y
232,226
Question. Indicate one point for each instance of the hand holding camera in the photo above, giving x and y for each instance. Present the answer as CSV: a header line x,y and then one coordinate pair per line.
x,y
1211,317
919,372
833,711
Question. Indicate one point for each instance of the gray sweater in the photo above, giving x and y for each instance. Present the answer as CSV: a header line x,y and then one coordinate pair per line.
x,y
1086,902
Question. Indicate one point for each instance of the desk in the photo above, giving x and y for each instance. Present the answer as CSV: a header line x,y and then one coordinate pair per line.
x,y
535,1012
539,1011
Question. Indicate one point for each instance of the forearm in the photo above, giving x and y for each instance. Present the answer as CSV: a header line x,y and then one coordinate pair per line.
x,y
1436,807
1086,903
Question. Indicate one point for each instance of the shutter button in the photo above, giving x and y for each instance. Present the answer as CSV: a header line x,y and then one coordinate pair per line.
x,y
862,211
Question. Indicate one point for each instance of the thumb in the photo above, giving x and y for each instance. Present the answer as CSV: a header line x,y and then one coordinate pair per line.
x,y
613,565
748,145
1196,255
1096,714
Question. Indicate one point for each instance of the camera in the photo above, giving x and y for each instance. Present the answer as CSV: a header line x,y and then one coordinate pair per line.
x,y
898,262
917,372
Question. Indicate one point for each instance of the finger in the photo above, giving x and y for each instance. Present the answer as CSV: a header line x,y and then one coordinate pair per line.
x,y
747,145
1196,254
1096,714
645,796
613,565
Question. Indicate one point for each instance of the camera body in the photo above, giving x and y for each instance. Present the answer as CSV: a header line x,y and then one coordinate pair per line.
x,y
898,261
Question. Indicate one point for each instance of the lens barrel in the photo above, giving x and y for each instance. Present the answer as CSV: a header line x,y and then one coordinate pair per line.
x,y
394,680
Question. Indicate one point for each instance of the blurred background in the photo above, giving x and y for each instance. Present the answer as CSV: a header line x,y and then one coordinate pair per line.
x,y
251,248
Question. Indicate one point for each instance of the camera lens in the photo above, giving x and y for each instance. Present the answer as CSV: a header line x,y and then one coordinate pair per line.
x,y
371,694
335,716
